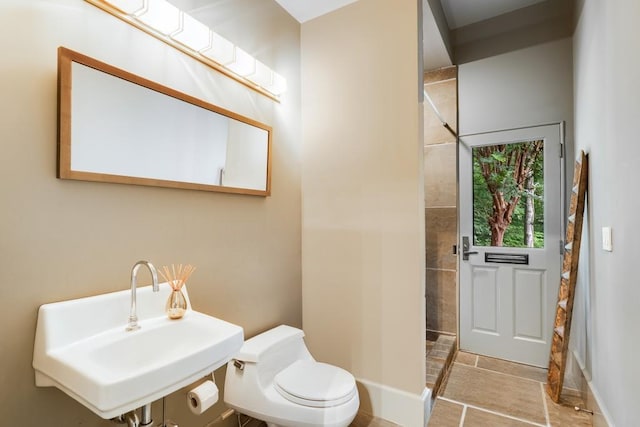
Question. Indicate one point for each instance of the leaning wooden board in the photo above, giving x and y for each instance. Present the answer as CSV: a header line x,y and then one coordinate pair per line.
x,y
564,309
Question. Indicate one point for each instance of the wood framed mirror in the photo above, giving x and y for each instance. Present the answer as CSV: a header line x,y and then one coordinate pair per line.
x,y
118,127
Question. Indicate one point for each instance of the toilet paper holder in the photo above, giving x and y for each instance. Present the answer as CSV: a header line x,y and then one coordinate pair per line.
x,y
203,397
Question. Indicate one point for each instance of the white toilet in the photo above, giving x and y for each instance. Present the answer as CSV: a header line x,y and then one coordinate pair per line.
x,y
275,379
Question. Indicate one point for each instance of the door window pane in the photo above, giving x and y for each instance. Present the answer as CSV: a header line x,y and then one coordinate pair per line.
x,y
508,195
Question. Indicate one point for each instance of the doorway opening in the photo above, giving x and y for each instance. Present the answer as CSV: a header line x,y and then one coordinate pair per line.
x,y
441,213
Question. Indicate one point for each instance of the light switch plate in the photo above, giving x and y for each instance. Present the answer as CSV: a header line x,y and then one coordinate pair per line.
x,y
607,244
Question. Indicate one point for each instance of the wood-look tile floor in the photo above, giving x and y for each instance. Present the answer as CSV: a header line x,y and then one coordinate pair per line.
x,y
482,391
361,420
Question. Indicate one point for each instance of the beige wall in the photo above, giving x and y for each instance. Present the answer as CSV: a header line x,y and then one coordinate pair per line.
x,y
68,239
441,214
363,199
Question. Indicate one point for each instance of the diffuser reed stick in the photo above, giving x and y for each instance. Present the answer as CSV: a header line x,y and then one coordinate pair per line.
x,y
177,277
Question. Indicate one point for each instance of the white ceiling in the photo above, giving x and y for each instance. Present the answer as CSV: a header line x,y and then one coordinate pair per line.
x,y
436,53
305,10
458,12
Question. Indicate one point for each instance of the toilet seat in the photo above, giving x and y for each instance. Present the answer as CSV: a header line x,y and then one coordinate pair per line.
x,y
314,384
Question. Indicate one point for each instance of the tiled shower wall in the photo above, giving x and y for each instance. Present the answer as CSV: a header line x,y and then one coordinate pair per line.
x,y
441,200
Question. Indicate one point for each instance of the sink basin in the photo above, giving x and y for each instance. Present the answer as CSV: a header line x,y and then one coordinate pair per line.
x,y
82,348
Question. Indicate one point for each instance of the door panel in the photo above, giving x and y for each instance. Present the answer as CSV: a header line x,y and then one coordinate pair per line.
x,y
485,300
528,304
510,215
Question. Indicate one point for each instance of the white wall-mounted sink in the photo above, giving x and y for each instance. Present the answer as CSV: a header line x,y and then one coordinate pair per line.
x,y
82,348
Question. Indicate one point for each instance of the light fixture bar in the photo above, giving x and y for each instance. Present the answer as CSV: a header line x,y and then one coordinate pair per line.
x,y
219,50
160,15
192,33
128,6
180,30
243,64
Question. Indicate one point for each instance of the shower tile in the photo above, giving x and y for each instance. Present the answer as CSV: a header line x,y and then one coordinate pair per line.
x,y
434,366
432,335
440,236
435,372
439,358
444,97
441,301
432,380
439,354
447,340
440,181
506,394
436,76
444,347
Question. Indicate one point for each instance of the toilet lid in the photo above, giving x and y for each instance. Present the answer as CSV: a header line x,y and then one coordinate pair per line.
x,y
315,384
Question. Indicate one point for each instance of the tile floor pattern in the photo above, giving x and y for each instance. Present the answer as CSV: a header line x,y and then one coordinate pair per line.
x,y
485,392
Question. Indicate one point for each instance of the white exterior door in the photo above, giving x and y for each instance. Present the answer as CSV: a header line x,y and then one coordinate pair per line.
x,y
509,276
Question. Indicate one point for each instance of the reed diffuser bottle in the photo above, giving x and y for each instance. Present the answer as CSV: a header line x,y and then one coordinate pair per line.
x,y
176,277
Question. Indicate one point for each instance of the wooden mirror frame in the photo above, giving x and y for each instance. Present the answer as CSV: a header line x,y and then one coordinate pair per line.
x,y
66,58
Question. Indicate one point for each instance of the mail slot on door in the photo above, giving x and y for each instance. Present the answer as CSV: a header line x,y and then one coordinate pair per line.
x,y
522,259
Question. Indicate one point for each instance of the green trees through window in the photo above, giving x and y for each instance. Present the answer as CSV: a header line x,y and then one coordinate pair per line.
x,y
508,190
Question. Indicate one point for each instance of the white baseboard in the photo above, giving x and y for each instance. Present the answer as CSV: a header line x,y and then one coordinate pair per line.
x,y
398,406
593,401
601,417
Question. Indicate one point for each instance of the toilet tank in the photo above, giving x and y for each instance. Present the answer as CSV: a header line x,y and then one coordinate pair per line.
x,y
268,353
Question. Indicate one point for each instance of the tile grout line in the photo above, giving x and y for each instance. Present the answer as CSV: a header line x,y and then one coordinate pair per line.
x,y
462,417
544,404
489,411
448,399
500,373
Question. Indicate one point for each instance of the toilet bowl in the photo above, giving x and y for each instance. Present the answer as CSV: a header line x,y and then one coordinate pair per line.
x,y
275,379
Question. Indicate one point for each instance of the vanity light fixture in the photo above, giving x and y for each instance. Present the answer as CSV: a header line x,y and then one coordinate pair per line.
x,y
193,33
166,22
243,64
160,15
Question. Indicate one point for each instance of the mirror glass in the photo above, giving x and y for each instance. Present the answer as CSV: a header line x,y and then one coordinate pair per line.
x,y
119,127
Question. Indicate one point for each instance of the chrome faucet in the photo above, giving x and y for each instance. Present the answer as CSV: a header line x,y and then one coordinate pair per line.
x,y
133,317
